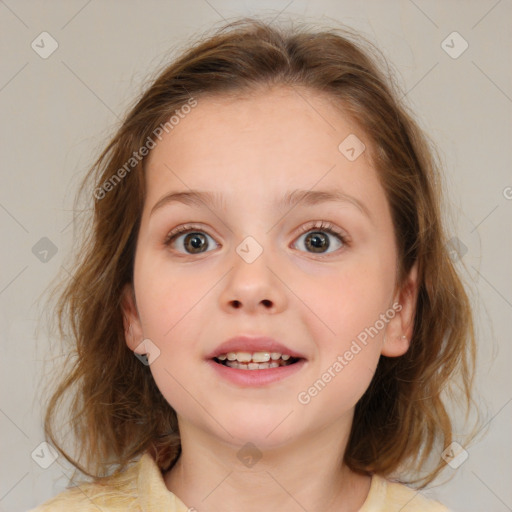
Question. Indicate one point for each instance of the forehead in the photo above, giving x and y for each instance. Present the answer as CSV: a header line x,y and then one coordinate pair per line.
x,y
285,119
262,143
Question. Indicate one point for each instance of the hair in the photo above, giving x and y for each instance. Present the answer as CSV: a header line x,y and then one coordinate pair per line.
x,y
116,411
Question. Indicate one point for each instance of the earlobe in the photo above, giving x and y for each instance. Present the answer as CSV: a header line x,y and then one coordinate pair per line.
x,y
395,347
131,321
400,328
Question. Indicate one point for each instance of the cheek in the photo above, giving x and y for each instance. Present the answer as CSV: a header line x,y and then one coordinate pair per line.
x,y
348,300
340,386
171,305
168,297
347,326
348,313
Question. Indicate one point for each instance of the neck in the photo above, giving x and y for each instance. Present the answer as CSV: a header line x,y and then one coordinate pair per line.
x,y
212,475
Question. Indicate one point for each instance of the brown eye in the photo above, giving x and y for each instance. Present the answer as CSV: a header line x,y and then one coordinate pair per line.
x,y
195,242
318,241
189,241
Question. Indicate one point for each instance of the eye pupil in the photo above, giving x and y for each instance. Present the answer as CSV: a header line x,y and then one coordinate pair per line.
x,y
195,240
318,240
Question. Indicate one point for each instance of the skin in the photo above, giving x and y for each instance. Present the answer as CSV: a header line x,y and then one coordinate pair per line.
x,y
253,151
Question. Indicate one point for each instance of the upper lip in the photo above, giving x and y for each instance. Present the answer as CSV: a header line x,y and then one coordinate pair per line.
x,y
253,344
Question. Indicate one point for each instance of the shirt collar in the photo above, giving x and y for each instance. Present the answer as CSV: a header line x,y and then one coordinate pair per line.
x,y
153,493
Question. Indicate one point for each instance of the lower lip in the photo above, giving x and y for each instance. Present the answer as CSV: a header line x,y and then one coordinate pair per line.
x,y
256,377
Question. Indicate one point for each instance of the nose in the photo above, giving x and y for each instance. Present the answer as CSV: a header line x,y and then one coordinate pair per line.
x,y
254,287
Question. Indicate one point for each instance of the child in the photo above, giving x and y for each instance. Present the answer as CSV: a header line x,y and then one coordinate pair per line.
x,y
267,241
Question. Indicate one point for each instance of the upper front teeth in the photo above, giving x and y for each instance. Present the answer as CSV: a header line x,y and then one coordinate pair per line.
x,y
256,357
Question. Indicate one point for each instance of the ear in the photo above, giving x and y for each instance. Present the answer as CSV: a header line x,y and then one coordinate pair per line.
x,y
400,328
131,321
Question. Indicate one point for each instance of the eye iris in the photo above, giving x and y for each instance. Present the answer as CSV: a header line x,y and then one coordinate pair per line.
x,y
196,240
319,241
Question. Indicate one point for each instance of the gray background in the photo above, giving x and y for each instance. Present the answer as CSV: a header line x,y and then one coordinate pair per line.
x,y
58,111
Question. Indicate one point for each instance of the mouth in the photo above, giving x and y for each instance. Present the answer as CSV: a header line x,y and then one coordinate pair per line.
x,y
253,361
256,360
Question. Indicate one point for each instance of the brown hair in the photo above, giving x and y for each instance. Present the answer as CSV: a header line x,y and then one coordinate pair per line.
x,y
116,410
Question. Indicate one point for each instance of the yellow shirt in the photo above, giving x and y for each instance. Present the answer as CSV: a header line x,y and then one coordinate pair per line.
x,y
141,488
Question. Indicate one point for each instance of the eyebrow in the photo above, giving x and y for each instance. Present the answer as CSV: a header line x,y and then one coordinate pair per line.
x,y
215,200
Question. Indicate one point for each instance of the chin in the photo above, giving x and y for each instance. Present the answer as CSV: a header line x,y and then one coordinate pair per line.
x,y
265,431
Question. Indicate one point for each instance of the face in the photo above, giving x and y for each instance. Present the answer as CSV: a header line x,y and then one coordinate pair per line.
x,y
315,275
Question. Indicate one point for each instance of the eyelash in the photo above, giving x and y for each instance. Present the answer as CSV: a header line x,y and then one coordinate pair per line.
x,y
324,226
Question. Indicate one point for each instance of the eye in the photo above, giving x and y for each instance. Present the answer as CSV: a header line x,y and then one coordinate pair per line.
x,y
193,240
318,241
188,239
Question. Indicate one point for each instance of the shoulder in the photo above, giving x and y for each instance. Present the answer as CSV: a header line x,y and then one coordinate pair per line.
x,y
389,496
115,493
139,488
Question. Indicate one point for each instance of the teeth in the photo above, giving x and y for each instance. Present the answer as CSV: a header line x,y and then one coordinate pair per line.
x,y
261,357
251,366
256,357
241,357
